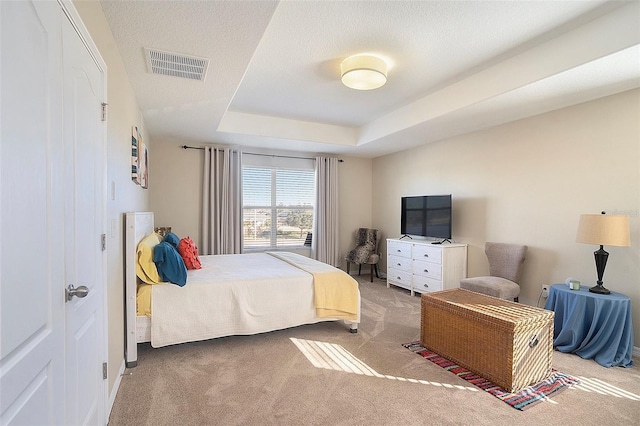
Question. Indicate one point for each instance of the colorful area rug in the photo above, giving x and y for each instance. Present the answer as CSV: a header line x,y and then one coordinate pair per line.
x,y
522,400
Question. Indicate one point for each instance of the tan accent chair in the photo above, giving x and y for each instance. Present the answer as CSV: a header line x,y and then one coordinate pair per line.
x,y
365,253
505,270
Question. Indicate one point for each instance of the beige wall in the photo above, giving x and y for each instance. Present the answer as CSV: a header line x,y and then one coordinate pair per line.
x,y
123,113
528,182
356,200
176,187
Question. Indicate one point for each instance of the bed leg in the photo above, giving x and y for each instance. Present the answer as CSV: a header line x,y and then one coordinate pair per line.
x,y
353,328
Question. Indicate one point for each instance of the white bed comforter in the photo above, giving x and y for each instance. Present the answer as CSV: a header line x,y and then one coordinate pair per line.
x,y
232,295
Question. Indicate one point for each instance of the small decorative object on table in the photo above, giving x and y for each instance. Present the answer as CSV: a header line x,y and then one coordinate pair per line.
x,y
573,284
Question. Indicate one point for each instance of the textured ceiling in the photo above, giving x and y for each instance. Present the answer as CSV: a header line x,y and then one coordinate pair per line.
x,y
455,66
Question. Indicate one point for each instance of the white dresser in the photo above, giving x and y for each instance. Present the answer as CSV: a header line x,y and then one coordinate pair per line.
x,y
422,267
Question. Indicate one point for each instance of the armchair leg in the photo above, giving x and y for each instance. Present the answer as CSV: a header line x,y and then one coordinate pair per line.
x,y
348,263
377,274
359,268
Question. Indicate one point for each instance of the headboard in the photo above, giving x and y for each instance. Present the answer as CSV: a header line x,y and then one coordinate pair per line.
x,y
137,226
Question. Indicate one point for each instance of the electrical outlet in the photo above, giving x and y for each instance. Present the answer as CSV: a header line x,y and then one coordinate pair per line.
x,y
545,290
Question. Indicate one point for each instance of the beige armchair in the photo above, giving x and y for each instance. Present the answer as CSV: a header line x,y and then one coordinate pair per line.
x,y
366,251
505,270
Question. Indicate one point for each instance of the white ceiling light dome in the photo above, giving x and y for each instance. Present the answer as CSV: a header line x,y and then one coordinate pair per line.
x,y
364,72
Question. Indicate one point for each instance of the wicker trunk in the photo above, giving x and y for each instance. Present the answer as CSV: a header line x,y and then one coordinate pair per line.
x,y
509,343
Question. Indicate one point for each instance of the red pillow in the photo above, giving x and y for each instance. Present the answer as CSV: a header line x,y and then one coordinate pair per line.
x,y
189,253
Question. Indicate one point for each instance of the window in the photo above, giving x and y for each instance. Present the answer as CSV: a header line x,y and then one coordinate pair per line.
x,y
277,207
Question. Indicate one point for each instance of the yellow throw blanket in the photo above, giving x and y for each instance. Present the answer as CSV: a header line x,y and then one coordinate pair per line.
x,y
336,294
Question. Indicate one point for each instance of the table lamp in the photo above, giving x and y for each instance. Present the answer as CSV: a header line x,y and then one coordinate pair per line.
x,y
603,229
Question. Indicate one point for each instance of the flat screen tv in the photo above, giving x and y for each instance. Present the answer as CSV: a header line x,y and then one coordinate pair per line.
x,y
426,216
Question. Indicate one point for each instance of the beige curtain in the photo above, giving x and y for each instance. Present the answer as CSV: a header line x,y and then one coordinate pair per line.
x,y
325,244
222,201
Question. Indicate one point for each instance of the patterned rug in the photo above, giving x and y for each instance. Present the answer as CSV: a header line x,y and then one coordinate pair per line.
x,y
522,400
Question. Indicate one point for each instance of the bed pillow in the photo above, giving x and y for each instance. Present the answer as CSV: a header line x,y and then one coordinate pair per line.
x,y
189,253
172,239
169,264
145,267
143,300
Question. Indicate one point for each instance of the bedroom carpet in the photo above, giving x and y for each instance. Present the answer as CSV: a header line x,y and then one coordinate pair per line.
x,y
321,374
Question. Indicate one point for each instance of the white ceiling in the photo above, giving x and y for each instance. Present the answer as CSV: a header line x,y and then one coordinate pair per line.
x,y
273,80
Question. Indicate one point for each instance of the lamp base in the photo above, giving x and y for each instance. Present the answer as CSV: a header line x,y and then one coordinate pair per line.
x,y
599,289
601,257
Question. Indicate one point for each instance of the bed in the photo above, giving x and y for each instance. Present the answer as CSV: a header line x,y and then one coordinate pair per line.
x,y
239,294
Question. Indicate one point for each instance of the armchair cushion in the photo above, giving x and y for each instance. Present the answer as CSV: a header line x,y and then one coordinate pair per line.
x,y
492,286
373,259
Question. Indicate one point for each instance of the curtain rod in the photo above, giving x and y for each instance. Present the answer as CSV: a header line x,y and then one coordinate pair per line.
x,y
263,155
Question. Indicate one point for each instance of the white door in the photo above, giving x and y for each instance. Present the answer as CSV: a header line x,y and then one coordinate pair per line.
x,y
31,215
49,374
83,146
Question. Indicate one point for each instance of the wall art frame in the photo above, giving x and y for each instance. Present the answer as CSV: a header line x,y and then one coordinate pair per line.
x,y
139,159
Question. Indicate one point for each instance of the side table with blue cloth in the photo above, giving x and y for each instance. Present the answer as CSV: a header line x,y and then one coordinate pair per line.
x,y
592,325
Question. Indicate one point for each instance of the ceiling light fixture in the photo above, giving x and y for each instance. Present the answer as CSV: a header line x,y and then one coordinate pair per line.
x,y
364,72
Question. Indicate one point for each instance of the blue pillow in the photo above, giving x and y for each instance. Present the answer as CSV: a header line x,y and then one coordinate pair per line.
x,y
169,264
172,239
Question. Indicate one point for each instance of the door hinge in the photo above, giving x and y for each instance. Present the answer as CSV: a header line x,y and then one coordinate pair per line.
x,y
104,371
103,241
104,111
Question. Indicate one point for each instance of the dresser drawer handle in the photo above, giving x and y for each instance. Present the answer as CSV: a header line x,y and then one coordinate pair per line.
x,y
399,251
426,270
426,285
426,255
399,279
399,264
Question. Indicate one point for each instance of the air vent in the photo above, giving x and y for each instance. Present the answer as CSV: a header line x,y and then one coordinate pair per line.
x,y
176,65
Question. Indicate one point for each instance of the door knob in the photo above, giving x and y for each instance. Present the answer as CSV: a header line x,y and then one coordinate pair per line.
x,y
79,292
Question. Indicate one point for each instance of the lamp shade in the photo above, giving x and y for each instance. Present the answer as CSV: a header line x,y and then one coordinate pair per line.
x,y
364,72
604,230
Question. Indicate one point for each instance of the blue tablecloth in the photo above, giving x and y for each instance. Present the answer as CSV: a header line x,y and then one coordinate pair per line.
x,y
592,325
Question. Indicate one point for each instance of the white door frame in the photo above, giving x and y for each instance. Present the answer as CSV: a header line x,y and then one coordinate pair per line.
x,y
73,16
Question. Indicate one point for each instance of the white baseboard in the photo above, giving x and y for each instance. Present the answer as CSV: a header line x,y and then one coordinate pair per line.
x,y
114,391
